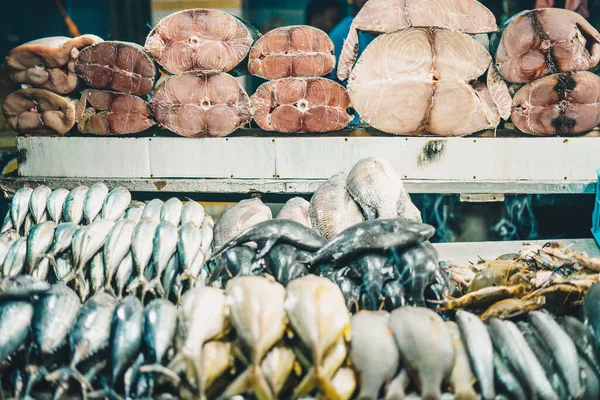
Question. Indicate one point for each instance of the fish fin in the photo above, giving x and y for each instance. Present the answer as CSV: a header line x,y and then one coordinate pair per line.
x,y
160,369
262,388
65,372
268,245
307,385
251,378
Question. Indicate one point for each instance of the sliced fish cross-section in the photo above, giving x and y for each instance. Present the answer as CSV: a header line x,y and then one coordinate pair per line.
x,y
197,105
292,51
104,113
301,105
39,111
120,66
200,40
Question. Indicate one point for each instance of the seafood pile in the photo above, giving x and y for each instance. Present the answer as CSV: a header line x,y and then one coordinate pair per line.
x,y
425,64
96,240
297,99
553,277
550,50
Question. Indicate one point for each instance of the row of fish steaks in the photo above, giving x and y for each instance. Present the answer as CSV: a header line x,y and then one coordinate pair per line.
x,y
433,70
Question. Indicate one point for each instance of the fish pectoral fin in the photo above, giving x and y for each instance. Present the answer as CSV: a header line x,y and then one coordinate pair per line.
x,y
162,370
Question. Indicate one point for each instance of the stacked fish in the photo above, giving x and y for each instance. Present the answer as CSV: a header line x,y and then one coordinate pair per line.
x,y
100,240
423,75
550,50
297,100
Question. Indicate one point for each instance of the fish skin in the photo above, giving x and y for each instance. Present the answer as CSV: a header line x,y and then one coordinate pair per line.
x,y
19,207
188,244
562,348
125,336
372,339
93,240
165,245
296,209
42,270
159,325
124,274
55,204
506,378
207,234
21,287
53,317
6,240
7,225
238,218
193,212
135,211
77,245
94,199
64,265
425,344
591,307
27,225
286,263
91,332
216,360
170,275
97,272
509,342
332,209
583,339
15,319
376,187
15,258
171,211
153,210
118,244
270,232
39,242
73,206
38,201
480,349
63,237
461,377
591,384
115,204
142,243
277,367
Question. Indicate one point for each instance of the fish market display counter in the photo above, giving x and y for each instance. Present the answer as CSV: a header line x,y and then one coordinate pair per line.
x,y
502,162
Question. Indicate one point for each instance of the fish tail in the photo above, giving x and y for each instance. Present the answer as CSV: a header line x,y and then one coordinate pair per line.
x,y
160,369
239,385
308,383
326,385
262,389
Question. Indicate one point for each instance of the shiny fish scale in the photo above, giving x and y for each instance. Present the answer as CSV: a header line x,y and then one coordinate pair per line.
x,y
193,212
55,204
38,201
97,272
115,204
20,207
73,207
15,258
63,237
54,316
39,242
94,200
118,244
153,210
171,211
15,319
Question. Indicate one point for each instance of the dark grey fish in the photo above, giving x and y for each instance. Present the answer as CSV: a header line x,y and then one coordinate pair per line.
x,y
589,380
417,267
507,381
170,274
591,307
372,235
561,348
229,264
125,337
583,339
270,232
374,272
286,263
54,316
160,324
15,319
21,287
480,349
393,295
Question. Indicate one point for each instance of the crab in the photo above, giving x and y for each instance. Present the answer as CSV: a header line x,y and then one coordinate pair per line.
x,y
510,308
481,298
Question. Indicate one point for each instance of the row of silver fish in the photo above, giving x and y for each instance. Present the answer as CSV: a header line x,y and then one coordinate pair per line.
x,y
159,247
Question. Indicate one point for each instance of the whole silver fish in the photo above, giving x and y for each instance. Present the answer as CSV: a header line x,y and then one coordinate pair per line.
x,y
94,199
332,209
38,201
375,186
160,323
480,349
296,209
124,274
54,316
153,210
63,237
125,336
7,225
590,381
426,346
77,245
142,244
562,348
461,377
115,204
171,211
165,245
188,245
135,211
15,258
15,319
238,218
97,272
372,340
39,242
583,339
6,240
207,234
73,207
19,207
507,380
55,204
118,244
170,275
193,212
94,238
511,344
